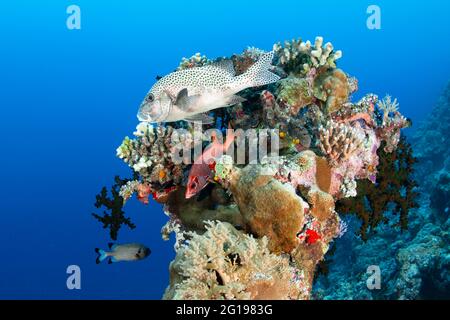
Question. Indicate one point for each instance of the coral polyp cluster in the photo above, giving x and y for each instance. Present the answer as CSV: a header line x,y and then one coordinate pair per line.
x,y
261,225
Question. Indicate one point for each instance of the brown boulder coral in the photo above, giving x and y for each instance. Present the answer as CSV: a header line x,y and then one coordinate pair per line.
x,y
268,207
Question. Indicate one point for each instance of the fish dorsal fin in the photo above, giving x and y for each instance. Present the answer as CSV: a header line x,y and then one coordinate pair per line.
x,y
200,118
225,65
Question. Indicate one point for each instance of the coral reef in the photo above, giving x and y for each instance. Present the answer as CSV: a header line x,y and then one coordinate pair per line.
x,y
266,214
415,262
430,141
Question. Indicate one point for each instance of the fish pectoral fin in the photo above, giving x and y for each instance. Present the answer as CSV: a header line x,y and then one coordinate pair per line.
x,y
182,96
186,102
235,99
200,118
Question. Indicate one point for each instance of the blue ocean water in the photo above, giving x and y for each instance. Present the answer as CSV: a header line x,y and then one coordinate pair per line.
x,y
68,97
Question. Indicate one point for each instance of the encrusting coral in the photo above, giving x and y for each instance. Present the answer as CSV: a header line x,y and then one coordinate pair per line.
x,y
260,226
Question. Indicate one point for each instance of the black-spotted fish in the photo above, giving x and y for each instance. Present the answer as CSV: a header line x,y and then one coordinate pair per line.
x,y
123,252
188,94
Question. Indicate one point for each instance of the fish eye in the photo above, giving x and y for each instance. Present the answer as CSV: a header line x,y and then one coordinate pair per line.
x,y
150,97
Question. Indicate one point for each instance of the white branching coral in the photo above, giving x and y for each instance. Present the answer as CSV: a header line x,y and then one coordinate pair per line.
x,y
224,263
339,141
319,54
388,107
393,121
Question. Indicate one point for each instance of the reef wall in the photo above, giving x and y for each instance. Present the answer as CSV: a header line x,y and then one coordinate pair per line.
x,y
414,264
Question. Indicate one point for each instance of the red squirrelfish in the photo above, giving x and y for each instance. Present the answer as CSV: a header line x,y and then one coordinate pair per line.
x,y
201,172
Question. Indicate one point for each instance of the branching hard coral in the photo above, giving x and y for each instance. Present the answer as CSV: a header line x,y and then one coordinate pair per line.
x,y
150,154
299,57
391,124
224,263
395,185
197,60
388,106
338,142
116,218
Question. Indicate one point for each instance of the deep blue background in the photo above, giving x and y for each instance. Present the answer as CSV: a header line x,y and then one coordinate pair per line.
x,y
68,97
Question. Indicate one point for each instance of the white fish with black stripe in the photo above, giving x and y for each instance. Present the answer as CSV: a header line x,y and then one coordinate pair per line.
x,y
122,252
189,94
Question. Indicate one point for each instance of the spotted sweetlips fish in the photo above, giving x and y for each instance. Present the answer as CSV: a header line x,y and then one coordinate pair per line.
x,y
188,94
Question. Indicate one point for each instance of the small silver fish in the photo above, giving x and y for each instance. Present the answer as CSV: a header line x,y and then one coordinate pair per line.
x,y
188,94
123,252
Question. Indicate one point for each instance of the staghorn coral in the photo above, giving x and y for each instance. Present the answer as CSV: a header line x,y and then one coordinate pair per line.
x,y
275,218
